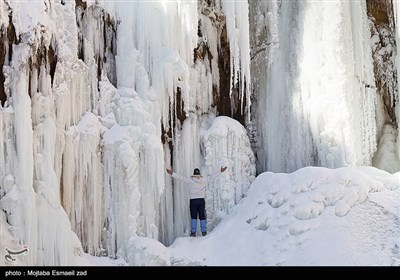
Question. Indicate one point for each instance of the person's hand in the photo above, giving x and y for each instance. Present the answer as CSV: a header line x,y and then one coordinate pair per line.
x,y
169,171
223,168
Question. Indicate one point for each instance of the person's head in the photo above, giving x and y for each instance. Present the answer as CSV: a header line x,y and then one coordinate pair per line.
x,y
196,171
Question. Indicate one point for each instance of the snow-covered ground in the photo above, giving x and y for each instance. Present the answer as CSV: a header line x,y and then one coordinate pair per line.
x,y
88,260
314,216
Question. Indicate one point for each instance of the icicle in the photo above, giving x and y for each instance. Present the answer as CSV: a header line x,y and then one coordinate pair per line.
x,y
122,193
186,158
237,21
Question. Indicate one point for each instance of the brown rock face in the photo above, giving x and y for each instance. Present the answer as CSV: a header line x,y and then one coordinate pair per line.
x,y
108,32
378,9
222,97
7,39
227,99
381,14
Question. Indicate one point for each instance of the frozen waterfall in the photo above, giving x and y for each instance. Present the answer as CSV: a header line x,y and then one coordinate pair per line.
x,y
98,98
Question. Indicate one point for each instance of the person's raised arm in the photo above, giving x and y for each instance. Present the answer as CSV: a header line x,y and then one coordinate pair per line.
x,y
217,173
177,176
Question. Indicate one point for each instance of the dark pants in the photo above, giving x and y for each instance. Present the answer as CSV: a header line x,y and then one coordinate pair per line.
x,y
198,206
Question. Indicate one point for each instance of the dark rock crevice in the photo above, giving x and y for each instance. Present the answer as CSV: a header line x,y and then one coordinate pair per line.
x,y
3,96
42,55
227,97
222,98
107,27
8,38
81,4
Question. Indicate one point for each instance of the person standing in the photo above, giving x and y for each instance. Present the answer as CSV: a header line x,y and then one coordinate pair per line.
x,y
197,185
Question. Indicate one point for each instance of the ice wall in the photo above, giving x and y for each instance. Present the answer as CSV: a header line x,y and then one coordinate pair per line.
x,y
161,81
98,98
29,178
155,43
318,107
219,22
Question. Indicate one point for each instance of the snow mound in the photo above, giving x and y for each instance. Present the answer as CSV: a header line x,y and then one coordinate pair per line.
x,y
314,216
145,251
386,157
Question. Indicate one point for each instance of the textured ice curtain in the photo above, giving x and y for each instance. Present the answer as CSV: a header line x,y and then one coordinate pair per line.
x,y
316,108
155,42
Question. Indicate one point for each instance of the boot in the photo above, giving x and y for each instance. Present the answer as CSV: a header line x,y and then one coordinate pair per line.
x,y
193,227
203,226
